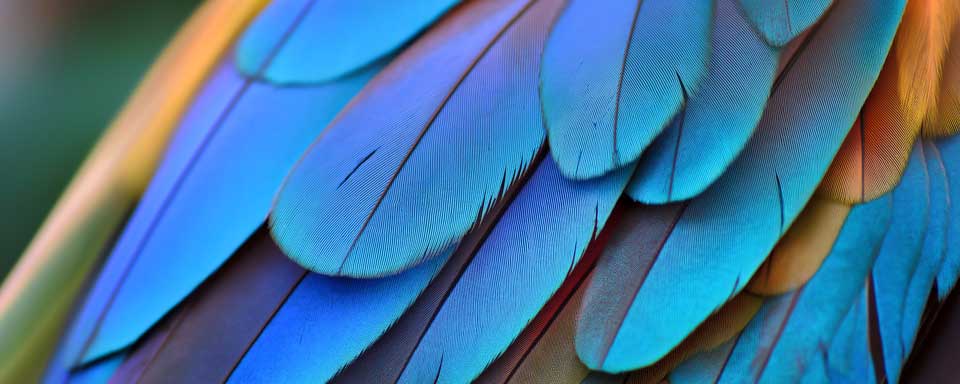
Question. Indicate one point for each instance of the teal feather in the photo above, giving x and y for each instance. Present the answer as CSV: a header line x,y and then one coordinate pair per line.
x,y
704,367
949,152
898,259
745,212
778,22
933,249
410,166
614,74
336,38
847,359
675,166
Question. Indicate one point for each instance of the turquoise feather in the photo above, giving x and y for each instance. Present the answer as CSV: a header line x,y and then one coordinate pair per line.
x,y
898,259
778,22
949,152
777,345
424,151
334,39
704,367
932,252
614,74
675,166
846,359
198,211
745,212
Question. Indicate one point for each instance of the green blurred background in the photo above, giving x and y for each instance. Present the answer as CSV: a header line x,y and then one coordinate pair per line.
x,y
66,68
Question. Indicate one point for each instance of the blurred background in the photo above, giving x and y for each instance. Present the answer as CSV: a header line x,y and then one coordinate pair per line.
x,y
66,68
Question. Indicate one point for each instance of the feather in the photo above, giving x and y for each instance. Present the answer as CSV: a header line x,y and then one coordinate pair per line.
x,y
802,249
846,359
872,158
705,366
219,322
779,22
614,74
933,248
96,373
777,344
214,189
141,353
754,202
351,206
949,153
944,119
93,207
337,37
674,167
897,260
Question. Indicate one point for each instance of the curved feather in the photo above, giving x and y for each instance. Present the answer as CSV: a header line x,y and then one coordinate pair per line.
x,y
778,22
933,248
214,189
944,119
949,152
450,124
898,259
675,166
802,249
614,74
336,39
790,328
873,157
744,214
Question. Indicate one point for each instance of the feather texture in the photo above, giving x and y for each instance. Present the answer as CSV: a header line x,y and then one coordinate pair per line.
x,y
847,358
790,328
949,153
744,214
897,261
353,205
802,249
614,74
674,167
778,22
944,120
337,37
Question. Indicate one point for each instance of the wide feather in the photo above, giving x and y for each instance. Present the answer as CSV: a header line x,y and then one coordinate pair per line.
x,y
802,249
337,37
778,22
898,259
614,74
949,153
674,167
934,246
778,343
744,214
450,124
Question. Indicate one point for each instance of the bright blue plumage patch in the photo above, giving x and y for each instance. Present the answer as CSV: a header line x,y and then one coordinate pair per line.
x,y
780,21
846,359
614,74
745,212
706,136
949,152
335,38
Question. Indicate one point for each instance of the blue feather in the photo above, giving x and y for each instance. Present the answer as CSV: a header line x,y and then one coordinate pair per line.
x,y
949,151
707,135
327,321
777,344
934,245
614,74
99,372
722,236
898,259
207,199
335,38
847,359
704,367
525,259
424,151
778,22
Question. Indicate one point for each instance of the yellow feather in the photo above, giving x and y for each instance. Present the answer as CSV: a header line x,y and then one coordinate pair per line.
x,y
943,116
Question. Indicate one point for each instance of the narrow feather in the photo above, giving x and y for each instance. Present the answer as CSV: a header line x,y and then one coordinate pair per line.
x,y
712,128
949,152
846,359
789,329
104,191
449,125
898,259
933,249
944,120
802,249
614,74
216,191
336,39
704,367
778,22
744,214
